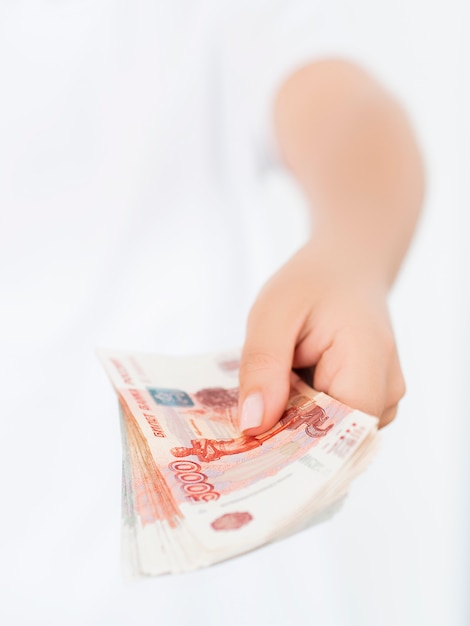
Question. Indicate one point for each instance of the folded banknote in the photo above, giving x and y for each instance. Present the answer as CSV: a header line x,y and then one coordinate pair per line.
x,y
196,490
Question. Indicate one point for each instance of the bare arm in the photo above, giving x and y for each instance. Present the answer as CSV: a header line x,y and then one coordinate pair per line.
x,y
350,146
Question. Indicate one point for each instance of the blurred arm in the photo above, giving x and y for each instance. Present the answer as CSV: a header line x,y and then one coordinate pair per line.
x,y
350,146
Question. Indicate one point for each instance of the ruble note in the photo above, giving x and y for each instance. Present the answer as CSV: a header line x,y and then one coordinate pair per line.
x,y
200,490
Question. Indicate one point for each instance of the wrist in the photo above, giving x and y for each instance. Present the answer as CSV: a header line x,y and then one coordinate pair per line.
x,y
349,262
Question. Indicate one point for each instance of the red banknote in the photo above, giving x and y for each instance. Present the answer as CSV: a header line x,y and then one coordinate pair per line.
x,y
196,490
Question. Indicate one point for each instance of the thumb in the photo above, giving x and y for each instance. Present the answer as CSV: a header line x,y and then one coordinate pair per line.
x,y
265,367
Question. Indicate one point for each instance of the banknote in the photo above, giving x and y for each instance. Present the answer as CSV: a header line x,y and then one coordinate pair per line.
x,y
195,490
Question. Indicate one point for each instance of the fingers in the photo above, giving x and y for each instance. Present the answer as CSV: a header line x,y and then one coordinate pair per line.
x,y
388,416
352,379
365,376
266,364
355,363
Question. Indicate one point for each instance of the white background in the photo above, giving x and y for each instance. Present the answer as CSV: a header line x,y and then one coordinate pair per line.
x,y
408,559
398,554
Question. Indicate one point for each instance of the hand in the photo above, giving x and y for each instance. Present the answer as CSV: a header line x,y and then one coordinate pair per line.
x,y
323,311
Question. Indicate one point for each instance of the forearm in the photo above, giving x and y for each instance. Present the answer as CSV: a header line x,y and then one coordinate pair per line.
x,y
352,150
350,147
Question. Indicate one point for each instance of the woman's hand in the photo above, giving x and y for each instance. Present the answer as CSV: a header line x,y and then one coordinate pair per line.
x,y
320,310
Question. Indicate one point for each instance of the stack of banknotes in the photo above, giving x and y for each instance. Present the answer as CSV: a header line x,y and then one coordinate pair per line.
x,y
196,490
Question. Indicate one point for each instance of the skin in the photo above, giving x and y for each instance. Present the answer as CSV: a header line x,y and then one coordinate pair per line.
x,y
350,146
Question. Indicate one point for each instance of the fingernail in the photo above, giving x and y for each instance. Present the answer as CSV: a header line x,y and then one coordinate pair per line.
x,y
252,411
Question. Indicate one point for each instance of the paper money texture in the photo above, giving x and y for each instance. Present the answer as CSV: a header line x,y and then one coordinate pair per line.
x,y
195,490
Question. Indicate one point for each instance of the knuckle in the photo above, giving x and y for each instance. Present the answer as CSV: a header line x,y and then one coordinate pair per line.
x,y
258,311
388,416
259,361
